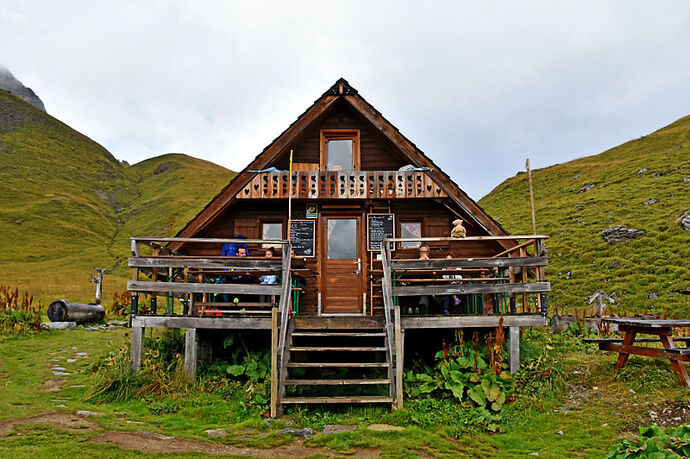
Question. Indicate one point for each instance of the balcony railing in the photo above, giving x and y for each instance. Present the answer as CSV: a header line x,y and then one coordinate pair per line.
x,y
506,278
342,185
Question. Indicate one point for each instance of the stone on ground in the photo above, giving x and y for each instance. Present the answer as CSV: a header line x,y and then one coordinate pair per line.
x,y
337,428
384,428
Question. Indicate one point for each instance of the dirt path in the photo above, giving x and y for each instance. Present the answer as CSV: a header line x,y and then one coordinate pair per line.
x,y
150,442
67,421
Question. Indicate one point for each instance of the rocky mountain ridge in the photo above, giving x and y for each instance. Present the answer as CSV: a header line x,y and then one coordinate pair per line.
x,y
10,83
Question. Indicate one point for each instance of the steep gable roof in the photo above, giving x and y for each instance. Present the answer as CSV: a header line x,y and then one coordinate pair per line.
x,y
341,90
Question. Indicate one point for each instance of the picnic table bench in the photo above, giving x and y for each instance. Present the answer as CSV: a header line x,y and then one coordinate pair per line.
x,y
662,329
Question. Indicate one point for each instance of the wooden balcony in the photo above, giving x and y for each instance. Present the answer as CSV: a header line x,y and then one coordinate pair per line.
x,y
342,185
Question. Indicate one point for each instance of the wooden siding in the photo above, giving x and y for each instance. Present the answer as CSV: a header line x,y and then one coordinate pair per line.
x,y
376,152
245,217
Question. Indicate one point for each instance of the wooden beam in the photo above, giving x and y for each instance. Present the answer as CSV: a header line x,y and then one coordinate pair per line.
x,y
398,403
449,263
191,349
518,247
217,323
468,238
532,320
455,289
514,349
274,362
525,300
194,287
338,323
202,240
240,263
639,350
137,348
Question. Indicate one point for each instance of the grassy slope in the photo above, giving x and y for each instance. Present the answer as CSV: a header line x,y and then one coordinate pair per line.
x,y
656,263
67,205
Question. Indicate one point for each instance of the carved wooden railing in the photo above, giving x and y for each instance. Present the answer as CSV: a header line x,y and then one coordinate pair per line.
x,y
436,276
342,185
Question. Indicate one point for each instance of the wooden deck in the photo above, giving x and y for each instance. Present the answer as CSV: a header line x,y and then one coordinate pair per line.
x,y
374,343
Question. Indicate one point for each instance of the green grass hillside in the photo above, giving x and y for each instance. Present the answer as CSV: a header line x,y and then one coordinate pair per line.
x,y
67,205
645,273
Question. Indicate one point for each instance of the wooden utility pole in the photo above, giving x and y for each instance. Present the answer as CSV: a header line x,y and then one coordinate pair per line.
x,y
531,197
540,273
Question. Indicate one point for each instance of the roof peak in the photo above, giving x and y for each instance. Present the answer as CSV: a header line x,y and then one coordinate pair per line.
x,y
341,88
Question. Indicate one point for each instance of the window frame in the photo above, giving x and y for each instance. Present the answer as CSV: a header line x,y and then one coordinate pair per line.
x,y
275,222
402,245
340,134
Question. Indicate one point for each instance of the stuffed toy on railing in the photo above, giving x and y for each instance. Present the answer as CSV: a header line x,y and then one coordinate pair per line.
x,y
458,230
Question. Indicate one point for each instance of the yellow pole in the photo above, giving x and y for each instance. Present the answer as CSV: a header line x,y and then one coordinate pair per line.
x,y
290,198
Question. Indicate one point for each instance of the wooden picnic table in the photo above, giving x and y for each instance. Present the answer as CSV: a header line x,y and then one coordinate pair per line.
x,y
661,328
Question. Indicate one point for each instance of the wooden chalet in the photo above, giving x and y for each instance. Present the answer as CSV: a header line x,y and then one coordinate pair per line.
x,y
348,281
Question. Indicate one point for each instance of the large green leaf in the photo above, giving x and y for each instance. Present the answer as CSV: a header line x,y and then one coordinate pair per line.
x,y
477,395
235,370
493,393
457,389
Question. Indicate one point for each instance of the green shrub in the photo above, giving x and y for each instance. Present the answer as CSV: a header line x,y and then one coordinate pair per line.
x,y
471,372
654,442
245,376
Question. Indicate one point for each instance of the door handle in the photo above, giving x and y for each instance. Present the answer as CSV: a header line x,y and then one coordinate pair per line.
x,y
359,266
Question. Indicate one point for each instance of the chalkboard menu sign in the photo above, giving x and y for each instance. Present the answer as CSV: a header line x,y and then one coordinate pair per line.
x,y
302,237
379,227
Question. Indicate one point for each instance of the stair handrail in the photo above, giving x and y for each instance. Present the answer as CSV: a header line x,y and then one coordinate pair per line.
x,y
284,306
386,285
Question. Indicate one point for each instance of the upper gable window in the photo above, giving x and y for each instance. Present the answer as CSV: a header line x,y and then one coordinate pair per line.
x,y
340,150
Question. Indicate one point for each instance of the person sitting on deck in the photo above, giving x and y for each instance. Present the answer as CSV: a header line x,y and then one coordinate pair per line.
x,y
449,300
268,279
423,306
241,250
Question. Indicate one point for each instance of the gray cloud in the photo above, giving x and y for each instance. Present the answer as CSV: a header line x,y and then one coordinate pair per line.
x,y
479,86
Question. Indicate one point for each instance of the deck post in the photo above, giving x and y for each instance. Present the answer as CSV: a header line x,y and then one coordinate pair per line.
x,y
137,348
274,362
514,349
398,403
191,349
402,347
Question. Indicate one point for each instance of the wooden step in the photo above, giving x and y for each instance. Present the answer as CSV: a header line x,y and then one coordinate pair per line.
x,y
337,334
334,382
337,365
355,349
243,304
358,399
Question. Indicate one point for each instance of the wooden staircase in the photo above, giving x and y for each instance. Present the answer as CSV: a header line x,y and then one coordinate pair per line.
x,y
357,362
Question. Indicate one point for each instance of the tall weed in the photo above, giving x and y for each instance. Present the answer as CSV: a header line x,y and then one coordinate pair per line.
x,y
18,313
161,373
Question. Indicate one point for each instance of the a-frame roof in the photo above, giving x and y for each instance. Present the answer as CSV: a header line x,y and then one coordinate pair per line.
x,y
341,90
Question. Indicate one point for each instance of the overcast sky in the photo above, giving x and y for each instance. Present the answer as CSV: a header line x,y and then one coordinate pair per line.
x,y
478,86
